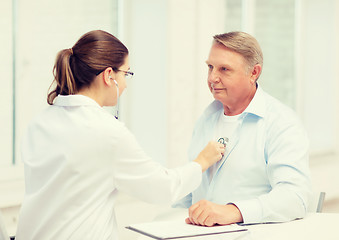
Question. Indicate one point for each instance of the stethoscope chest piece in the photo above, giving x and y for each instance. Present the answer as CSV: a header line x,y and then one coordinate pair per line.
x,y
223,140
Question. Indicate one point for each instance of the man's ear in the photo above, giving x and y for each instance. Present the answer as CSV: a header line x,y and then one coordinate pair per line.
x,y
108,76
256,70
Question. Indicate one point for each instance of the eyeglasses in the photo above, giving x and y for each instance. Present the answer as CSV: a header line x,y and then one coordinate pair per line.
x,y
128,74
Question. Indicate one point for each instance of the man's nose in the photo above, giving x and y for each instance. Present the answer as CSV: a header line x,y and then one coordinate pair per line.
x,y
213,77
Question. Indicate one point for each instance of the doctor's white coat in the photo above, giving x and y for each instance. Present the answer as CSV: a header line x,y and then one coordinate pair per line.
x,y
77,156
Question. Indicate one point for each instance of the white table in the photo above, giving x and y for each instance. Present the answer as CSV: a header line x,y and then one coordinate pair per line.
x,y
315,226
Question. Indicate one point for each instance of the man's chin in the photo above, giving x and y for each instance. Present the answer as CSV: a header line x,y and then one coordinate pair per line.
x,y
218,96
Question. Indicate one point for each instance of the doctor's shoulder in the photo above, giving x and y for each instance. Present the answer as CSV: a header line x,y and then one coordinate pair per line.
x,y
39,117
108,124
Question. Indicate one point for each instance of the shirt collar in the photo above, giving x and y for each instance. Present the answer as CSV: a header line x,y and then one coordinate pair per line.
x,y
74,101
257,105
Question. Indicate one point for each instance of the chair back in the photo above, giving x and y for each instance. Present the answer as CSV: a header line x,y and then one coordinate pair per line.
x,y
317,202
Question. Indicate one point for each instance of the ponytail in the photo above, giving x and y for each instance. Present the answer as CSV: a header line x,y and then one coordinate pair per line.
x,y
77,67
63,76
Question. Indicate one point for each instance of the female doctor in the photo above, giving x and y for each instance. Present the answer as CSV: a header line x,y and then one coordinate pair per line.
x,y
77,156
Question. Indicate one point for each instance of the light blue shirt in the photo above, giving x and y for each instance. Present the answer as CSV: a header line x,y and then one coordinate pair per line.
x,y
265,172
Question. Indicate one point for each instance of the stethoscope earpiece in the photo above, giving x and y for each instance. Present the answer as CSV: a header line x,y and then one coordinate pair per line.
x,y
116,83
117,106
118,93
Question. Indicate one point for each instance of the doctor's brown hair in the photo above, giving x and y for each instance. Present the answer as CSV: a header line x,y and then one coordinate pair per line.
x,y
77,67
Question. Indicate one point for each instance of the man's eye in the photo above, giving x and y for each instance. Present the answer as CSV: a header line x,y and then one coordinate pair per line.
x,y
210,67
224,69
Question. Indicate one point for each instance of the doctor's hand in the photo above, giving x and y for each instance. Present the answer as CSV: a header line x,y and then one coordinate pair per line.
x,y
206,213
212,153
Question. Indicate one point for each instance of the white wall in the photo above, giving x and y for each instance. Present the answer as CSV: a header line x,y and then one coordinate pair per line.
x,y
191,27
318,91
6,84
144,104
320,74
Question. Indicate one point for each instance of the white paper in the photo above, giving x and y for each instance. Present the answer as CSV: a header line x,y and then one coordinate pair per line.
x,y
179,229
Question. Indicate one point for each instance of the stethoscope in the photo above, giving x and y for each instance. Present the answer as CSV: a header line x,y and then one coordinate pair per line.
x,y
116,115
223,141
118,98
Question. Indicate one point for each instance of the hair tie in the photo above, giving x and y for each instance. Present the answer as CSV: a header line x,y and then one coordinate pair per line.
x,y
71,49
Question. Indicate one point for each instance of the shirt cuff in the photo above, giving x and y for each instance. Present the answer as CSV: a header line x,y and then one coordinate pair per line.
x,y
195,175
190,179
251,210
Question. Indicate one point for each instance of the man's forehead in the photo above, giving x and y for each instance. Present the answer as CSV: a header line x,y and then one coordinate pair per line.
x,y
221,55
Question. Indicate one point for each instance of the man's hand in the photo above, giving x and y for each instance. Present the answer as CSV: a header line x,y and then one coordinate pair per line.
x,y
206,213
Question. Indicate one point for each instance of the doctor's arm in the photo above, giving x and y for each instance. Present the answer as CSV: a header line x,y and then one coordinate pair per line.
x,y
138,175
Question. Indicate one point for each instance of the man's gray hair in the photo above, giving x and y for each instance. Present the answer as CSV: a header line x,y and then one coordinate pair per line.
x,y
242,43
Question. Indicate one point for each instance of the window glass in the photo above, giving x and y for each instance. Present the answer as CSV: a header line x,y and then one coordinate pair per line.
x,y
274,24
275,30
274,27
233,15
